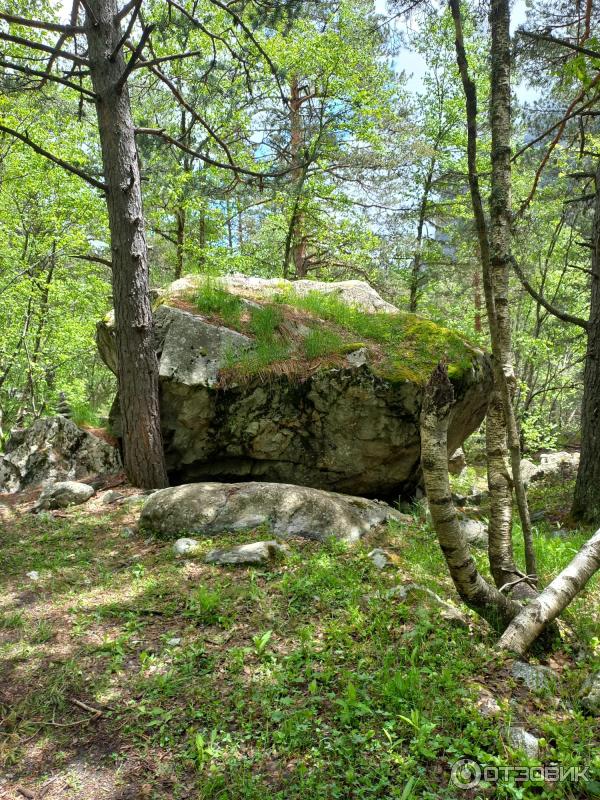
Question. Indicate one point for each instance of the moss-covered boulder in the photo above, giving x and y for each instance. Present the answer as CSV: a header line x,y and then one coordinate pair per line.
x,y
317,384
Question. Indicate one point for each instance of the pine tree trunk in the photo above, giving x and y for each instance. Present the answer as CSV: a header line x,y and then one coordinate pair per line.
x,y
138,367
586,501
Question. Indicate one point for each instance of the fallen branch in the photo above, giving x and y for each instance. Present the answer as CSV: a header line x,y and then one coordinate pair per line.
x,y
531,621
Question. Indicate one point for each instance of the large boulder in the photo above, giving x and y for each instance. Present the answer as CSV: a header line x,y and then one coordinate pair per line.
x,y
214,508
53,449
329,396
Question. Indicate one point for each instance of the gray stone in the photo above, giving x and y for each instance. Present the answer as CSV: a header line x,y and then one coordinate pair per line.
x,y
34,575
475,531
487,705
111,497
534,676
520,739
127,533
186,547
65,493
213,508
552,465
174,642
254,553
343,428
379,558
53,449
528,471
590,694
133,500
457,462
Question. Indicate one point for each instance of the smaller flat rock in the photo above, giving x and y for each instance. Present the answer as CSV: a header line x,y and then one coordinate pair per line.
x,y
111,497
590,692
536,677
520,739
185,547
475,531
254,553
379,558
65,493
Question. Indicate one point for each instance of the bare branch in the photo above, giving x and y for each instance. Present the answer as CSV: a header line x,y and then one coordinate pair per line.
x,y
7,37
42,74
23,137
135,56
562,315
562,42
38,23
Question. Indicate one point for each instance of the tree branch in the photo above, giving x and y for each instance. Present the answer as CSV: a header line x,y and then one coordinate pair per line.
x,y
547,38
7,37
562,315
23,137
37,23
42,74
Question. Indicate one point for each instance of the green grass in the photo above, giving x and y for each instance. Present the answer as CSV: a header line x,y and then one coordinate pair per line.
x,y
300,680
403,347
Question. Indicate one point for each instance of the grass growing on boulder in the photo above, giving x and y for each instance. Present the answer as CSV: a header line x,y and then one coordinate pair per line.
x,y
402,347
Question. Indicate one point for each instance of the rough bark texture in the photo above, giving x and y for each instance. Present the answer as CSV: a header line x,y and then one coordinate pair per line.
x,y
586,502
500,249
497,609
533,619
499,334
138,366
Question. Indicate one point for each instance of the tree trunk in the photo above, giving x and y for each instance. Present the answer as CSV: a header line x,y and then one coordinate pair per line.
x,y
500,355
416,277
586,501
497,609
137,362
298,238
531,621
500,249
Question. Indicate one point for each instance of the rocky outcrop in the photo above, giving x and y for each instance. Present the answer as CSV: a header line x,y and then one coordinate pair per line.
x,y
53,449
347,422
213,508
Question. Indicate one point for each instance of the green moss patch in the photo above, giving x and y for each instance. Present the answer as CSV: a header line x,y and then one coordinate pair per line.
x,y
295,334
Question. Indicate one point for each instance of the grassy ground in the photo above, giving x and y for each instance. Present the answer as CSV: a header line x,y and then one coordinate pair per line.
x,y
303,680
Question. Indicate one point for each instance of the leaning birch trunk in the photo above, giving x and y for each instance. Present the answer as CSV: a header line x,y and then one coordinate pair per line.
x,y
497,609
534,618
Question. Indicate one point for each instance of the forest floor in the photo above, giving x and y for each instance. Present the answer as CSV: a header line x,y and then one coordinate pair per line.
x,y
128,673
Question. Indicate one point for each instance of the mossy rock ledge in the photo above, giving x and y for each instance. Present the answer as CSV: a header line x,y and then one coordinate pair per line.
x,y
309,383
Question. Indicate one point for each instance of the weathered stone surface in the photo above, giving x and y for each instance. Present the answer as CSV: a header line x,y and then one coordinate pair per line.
x,y
535,676
52,449
344,428
253,553
590,694
520,739
212,508
552,465
475,531
65,493
379,558
186,546
457,462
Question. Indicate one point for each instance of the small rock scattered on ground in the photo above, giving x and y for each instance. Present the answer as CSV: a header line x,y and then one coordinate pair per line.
x,y
254,553
65,493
